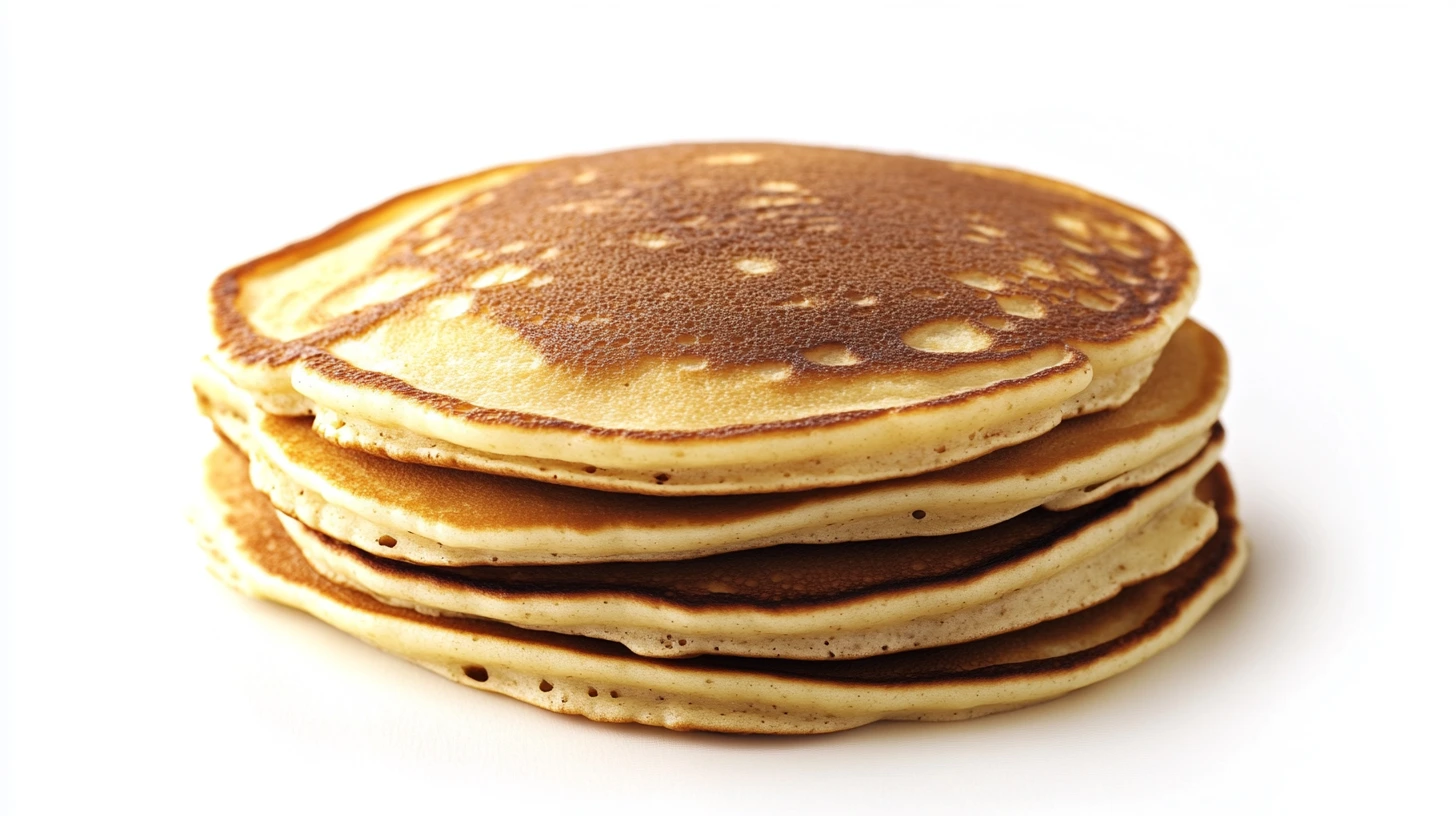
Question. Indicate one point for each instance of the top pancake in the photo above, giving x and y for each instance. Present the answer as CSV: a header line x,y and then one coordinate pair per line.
x,y
709,318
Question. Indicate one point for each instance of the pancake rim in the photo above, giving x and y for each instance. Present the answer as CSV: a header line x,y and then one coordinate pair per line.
x,y
806,704
553,606
830,517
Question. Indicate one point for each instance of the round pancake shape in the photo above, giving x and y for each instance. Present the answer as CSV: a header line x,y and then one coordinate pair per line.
x,y
446,517
668,320
814,602
605,682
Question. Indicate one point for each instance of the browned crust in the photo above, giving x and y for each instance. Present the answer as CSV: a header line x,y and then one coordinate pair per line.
x,y
244,345
835,227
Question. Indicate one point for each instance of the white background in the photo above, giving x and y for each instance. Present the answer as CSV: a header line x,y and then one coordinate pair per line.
x,y
1303,151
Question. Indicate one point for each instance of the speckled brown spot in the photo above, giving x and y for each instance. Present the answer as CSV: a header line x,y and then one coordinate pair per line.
x,y
642,247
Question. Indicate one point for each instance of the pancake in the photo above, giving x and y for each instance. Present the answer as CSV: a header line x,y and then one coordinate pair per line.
x,y
709,319
840,602
604,681
453,518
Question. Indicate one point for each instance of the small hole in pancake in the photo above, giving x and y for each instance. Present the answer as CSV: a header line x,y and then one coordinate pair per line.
x,y
590,469
800,302
918,514
386,541
591,692
979,280
831,354
433,246
947,337
732,158
1104,301
1125,275
477,673
653,240
1113,230
1021,306
682,643
452,305
661,477
495,276
614,695
1040,268
757,266
546,685
1125,249
1071,225
1082,269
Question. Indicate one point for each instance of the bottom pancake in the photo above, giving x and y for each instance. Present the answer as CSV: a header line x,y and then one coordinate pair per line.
x,y
604,681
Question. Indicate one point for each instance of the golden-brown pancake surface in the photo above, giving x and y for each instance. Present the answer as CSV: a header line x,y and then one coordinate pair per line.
x,y
710,318
755,253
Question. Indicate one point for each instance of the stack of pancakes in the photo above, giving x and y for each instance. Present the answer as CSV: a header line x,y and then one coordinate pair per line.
x,y
730,437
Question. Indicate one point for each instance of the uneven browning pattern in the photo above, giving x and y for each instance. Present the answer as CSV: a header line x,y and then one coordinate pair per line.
x,y
808,259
